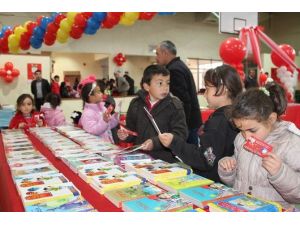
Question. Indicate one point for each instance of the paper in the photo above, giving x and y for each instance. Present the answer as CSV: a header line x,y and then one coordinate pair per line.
x,y
152,120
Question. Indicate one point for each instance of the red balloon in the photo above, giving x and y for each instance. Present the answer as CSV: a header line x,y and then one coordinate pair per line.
x,y
87,15
232,51
2,72
8,78
25,41
277,61
7,33
80,20
59,18
39,20
146,15
262,79
15,72
50,37
52,28
76,32
30,27
8,66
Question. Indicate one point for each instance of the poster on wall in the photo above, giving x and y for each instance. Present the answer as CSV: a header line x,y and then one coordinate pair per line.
x,y
31,68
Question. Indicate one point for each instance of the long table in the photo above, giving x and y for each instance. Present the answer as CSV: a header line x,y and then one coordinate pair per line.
x,y
9,197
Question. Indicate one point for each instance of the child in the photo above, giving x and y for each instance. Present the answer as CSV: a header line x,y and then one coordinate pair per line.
x,y
222,85
55,88
167,111
275,177
96,118
25,116
53,114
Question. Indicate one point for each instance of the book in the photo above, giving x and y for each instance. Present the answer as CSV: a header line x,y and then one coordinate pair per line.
x,y
67,204
201,196
42,168
165,202
258,147
77,165
117,197
176,184
44,193
25,163
243,203
132,158
89,171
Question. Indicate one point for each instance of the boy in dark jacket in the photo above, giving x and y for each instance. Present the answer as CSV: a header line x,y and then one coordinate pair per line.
x,y
166,110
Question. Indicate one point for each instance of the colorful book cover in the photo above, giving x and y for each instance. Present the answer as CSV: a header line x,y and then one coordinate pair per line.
x,y
117,197
90,171
243,203
201,196
44,193
77,165
68,204
179,183
159,203
26,163
132,158
35,169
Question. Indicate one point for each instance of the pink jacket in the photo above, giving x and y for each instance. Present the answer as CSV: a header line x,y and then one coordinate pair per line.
x,y
93,123
53,117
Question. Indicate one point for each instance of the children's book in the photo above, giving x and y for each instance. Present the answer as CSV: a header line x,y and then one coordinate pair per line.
x,y
176,184
117,197
201,196
165,202
132,158
89,171
26,163
68,204
42,168
243,203
77,165
44,193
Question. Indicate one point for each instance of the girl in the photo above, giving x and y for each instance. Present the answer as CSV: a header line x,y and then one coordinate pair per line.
x,y
222,85
274,177
54,115
25,116
96,118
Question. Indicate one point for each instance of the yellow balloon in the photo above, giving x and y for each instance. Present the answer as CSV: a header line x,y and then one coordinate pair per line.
x,y
19,30
126,22
132,15
65,26
13,41
62,36
14,49
71,17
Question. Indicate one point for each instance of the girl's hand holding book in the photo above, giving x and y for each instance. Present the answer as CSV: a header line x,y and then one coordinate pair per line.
x,y
272,163
166,139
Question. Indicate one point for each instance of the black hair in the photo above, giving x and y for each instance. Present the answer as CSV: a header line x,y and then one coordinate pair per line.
x,y
101,84
85,92
53,99
151,71
258,104
224,76
56,76
21,99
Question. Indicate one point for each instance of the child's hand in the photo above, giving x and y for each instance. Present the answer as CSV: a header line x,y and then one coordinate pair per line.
x,y
106,117
148,145
22,125
40,123
228,164
122,134
272,163
166,139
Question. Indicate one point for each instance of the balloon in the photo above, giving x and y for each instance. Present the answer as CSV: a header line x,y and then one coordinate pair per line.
x,y
126,21
30,26
277,61
38,32
52,27
99,16
71,17
8,66
59,18
87,14
44,22
146,15
80,20
232,51
39,19
36,42
19,30
13,40
65,26
93,24
61,34
262,79
25,41
8,78
2,72
76,32
15,72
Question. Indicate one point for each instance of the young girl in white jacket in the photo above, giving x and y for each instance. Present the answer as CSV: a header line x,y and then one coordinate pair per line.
x,y
275,177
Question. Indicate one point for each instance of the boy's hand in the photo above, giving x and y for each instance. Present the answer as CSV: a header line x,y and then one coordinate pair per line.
x,y
272,163
147,145
22,125
166,139
228,164
122,134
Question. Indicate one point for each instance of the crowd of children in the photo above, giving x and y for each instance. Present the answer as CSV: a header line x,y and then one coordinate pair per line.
x,y
156,121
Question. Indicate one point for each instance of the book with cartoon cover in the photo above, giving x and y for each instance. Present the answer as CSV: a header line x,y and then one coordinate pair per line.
x,y
89,171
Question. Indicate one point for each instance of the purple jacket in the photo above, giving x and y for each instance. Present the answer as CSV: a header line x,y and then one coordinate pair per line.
x,y
53,117
93,123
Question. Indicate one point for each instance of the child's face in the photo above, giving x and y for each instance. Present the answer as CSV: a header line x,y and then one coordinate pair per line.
x,y
26,106
251,127
213,101
96,95
159,87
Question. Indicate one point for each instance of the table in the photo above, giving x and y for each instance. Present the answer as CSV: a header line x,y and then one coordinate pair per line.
x,y
10,200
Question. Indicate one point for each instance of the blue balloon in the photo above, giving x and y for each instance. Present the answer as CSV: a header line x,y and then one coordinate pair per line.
x,y
39,32
99,16
93,24
54,15
90,31
1,34
166,13
44,22
35,42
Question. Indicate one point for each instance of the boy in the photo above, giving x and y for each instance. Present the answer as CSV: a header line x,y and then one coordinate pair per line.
x,y
166,110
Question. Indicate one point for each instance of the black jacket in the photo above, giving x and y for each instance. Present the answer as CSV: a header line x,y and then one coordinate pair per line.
x,y
45,88
169,116
218,135
182,85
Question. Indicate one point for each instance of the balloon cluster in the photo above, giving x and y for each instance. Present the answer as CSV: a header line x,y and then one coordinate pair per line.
x,y
119,59
59,27
232,51
8,73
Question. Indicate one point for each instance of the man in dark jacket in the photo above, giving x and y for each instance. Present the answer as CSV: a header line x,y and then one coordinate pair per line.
x,y
130,82
39,88
182,86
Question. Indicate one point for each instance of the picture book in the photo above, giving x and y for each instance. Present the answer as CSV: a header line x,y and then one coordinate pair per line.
x,y
179,183
201,196
117,197
25,158
44,193
26,163
67,204
77,165
42,168
165,202
132,158
243,203
89,171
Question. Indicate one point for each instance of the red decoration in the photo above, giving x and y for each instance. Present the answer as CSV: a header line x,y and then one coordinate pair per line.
x,y
119,59
232,51
8,73
278,61
262,79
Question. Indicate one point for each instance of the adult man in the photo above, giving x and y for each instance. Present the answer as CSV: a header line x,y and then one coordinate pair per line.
x,y
182,85
130,82
122,85
39,88
251,80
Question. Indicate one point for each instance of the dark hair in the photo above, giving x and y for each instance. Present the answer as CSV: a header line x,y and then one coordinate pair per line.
x,y
85,92
257,105
53,99
21,99
101,84
56,76
37,71
224,76
169,46
151,71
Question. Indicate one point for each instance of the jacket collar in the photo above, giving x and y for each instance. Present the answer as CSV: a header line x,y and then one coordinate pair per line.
x,y
93,106
172,61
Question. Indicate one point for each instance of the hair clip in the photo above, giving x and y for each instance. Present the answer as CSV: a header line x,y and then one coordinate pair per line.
x,y
264,90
